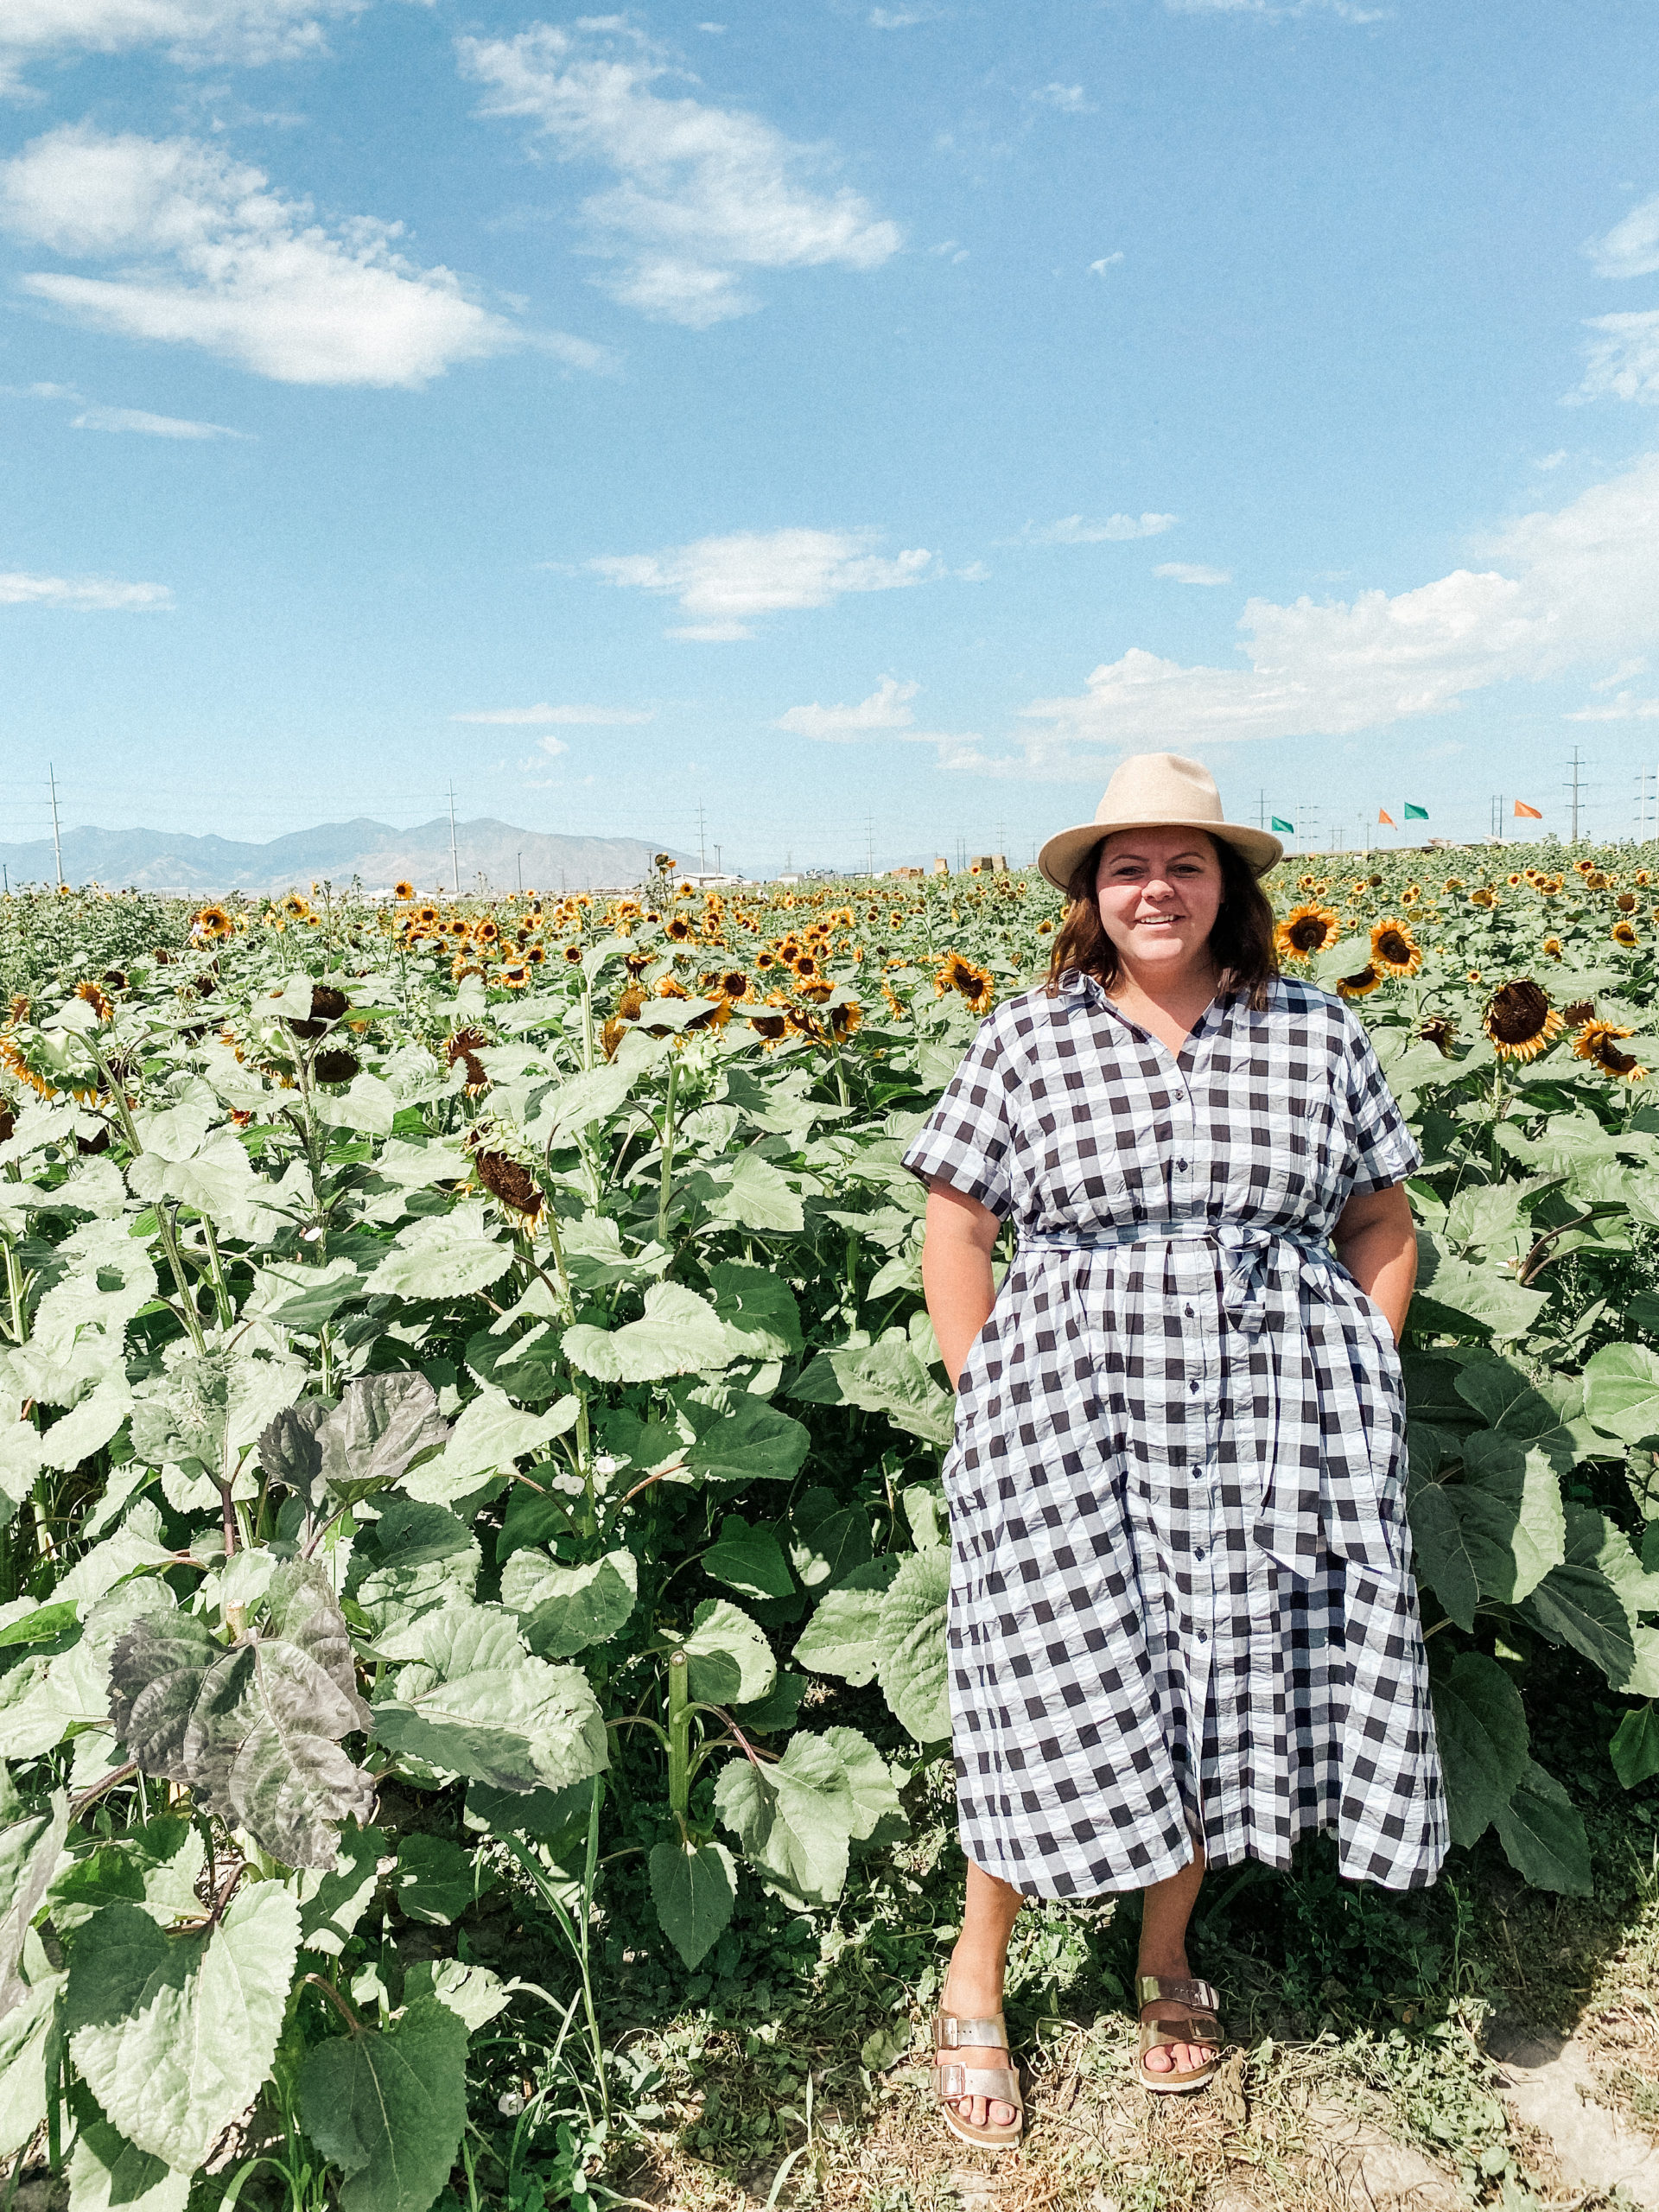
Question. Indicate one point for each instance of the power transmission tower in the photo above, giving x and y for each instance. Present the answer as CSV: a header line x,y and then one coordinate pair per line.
x,y
703,847
57,842
870,844
1647,800
1261,810
1574,789
454,850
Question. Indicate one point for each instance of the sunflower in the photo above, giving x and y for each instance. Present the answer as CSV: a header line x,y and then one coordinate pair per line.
x,y
335,1067
465,1047
681,929
210,922
98,998
485,931
1596,880
1474,975
1625,902
510,1183
629,1005
1625,933
1643,877
764,961
1356,987
1519,1020
13,1058
1304,883
1485,897
19,1010
843,1019
1594,1042
1579,1013
296,908
1553,947
460,967
1307,929
534,954
954,973
1440,1031
734,984
671,988
1045,928
514,976
1394,949
426,915
1454,883
403,891
807,967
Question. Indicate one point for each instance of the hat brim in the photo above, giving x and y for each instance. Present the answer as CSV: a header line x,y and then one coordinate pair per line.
x,y
1059,857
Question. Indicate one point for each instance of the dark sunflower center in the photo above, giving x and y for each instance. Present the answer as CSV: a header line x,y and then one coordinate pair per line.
x,y
1392,946
1307,935
1518,1013
1609,1057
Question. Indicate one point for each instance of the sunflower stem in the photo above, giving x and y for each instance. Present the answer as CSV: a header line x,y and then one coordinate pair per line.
x,y
666,1185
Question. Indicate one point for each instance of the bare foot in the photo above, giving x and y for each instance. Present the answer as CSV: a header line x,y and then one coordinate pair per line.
x,y
972,1994
1172,2057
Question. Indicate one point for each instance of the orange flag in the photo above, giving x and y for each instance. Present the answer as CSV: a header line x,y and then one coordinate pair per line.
x,y
1531,813
1382,815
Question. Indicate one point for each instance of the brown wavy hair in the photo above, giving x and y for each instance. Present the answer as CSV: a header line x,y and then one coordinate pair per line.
x,y
1241,943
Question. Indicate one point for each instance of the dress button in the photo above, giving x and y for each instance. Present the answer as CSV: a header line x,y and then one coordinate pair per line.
x,y
1194,1387
1204,1635
1197,1551
1189,1312
1181,1163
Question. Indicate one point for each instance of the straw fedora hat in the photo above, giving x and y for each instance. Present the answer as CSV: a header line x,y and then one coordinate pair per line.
x,y
1156,791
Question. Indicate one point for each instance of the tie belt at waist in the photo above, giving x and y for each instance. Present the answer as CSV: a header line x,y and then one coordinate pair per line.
x,y
1301,1509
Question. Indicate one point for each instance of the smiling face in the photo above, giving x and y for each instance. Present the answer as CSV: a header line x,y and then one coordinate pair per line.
x,y
1160,892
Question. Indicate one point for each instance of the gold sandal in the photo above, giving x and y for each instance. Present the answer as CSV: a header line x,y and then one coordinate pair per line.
x,y
1201,2025
998,2082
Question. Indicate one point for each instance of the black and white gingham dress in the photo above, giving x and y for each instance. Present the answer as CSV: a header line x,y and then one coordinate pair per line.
x,y
1181,1593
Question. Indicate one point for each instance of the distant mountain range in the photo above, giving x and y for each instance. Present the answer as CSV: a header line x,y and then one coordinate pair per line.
x,y
160,860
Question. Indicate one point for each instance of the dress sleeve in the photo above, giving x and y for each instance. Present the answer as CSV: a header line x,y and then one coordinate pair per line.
x,y
966,1140
1384,1152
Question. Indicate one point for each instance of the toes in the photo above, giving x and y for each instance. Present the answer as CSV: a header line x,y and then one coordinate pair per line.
x,y
1158,2059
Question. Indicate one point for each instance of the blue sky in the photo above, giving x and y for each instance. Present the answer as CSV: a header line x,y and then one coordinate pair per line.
x,y
864,423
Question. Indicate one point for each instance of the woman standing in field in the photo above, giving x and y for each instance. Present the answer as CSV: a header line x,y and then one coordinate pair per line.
x,y
1184,1629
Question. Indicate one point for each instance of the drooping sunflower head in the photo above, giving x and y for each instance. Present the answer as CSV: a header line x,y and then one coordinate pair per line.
x,y
1368,979
1484,897
98,998
1553,947
1519,1020
1625,933
1625,902
1440,1031
465,1047
509,1183
1394,949
1454,883
1595,1042
671,988
1307,929
845,1019
1579,1013
1595,881
1376,883
338,1066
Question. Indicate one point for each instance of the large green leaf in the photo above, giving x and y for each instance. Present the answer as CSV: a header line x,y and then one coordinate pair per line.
x,y
26,2031
28,1858
477,1704
695,1890
563,1610
841,1637
444,1255
435,1880
1578,1605
730,1660
381,1424
491,1433
759,1307
749,1442
333,1900
175,2035
911,1662
794,1820
678,1335
759,1197
1635,1747
109,2174
253,1730
388,2105
1542,1835
828,1541
1482,1732
414,1560
292,1295
1443,1557
1510,1530
1621,1391
1481,1300
749,1561
884,1377
877,1814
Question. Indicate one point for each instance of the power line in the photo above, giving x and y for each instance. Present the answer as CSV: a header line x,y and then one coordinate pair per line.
x,y
57,841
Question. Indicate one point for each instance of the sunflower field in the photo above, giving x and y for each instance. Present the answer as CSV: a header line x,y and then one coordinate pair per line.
x,y
473,1545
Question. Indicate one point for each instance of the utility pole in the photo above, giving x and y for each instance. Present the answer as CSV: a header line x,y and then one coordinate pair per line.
x,y
703,848
1261,810
719,870
1647,799
455,851
1574,789
57,841
521,875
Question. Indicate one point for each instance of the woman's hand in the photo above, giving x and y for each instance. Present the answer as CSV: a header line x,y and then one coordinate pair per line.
x,y
960,1236
1376,1240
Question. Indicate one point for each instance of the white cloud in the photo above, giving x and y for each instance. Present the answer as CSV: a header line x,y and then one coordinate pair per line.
x,y
702,193
1073,530
723,581
1631,247
217,259
86,594
1624,707
901,19
1551,460
574,717
149,426
1107,261
1574,585
1276,10
191,30
1069,99
552,747
1192,572
886,707
1623,363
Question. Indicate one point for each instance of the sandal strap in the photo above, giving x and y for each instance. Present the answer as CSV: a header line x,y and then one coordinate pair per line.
x,y
1198,2027
999,2081
952,2032
1153,1989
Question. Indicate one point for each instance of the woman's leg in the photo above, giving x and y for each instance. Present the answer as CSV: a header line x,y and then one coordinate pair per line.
x,y
973,1987
1167,1907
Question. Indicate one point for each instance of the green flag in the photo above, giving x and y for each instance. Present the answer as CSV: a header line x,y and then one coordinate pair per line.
x,y
1416,813
1284,828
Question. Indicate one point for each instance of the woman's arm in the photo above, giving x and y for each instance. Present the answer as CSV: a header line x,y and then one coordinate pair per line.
x,y
1376,1242
957,1271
